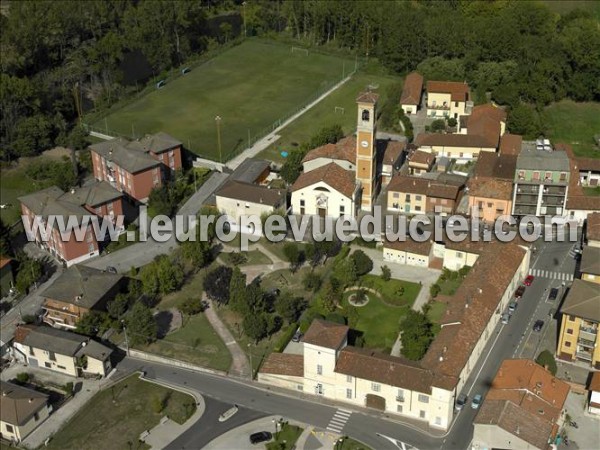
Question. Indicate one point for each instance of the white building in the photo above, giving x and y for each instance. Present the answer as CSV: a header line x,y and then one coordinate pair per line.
x,y
22,410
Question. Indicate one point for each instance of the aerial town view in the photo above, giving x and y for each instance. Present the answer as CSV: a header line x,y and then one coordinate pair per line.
x,y
300,224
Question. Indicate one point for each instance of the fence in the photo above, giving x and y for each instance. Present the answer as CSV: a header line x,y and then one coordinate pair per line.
x,y
171,362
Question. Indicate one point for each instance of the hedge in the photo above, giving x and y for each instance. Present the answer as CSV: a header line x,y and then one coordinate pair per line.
x,y
285,338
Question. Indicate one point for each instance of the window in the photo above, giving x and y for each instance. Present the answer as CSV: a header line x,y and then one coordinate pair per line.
x,y
375,387
460,155
418,198
349,378
348,393
521,174
299,387
572,318
51,356
98,209
422,414
490,205
438,420
400,395
548,176
31,351
342,209
302,202
459,255
417,208
407,198
365,115
62,367
396,195
91,248
563,176
536,175
399,409
48,365
423,398
567,344
36,417
9,428
569,330
319,369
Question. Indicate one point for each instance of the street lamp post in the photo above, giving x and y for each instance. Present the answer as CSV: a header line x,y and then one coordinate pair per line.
x,y
275,423
251,365
244,8
126,338
218,122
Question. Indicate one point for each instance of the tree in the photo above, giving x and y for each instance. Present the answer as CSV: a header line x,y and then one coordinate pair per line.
x,y
141,325
216,284
5,247
292,167
161,276
386,273
292,254
118,306
416,335
312,281
255,326
452,122
196,251
362,262
345,272
192,306
524,120
434,290
438,125
330,297
29,270
226,28
440,68
93,323
547,361
237,290
289,306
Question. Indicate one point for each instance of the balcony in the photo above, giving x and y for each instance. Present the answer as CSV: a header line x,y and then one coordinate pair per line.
x,y
528,189
585,343
553,201
524,210
586,356
526,199
553,190
400,399
587,334
439,107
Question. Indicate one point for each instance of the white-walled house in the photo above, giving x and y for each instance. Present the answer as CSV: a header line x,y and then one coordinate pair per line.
x,y
22,410
326,191
408,252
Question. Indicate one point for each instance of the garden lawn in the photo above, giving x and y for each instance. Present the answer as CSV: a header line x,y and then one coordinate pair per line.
x,y
254,257
115,417
436,312
378,322
288,434
390,290
593,191
351,444
324,114
575,124
250,86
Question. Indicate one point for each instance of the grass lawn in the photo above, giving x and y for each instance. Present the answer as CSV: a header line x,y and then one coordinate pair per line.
x,y
351,444
116,417
254,257
196,341
575,124
324,114
286,438
436,312
378,321
250,86
593,191
394,292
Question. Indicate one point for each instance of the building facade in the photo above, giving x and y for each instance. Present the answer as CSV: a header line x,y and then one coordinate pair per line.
x,y
448,99
22,410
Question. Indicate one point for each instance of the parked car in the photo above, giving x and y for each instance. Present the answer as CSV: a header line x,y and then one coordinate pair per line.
x,y
553,294
461,401
520,291
552,313
512,307
476,403
505,318
297,336
538,325
528,280
261,436
111,269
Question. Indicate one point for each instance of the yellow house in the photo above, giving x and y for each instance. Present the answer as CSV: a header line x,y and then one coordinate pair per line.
x,y
579,336
590,264
448,99
417,195
420,162
22,410
462,147
62,351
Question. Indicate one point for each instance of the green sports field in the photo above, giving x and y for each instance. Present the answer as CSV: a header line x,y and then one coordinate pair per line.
x,y
250,87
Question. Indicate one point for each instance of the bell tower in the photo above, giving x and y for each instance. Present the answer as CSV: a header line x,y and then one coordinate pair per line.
x,y
365,148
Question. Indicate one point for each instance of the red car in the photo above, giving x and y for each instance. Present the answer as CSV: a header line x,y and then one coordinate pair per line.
x,y
528,280
519,292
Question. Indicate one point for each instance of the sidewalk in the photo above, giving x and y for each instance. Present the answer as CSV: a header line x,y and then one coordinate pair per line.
x,y
167,430
240,365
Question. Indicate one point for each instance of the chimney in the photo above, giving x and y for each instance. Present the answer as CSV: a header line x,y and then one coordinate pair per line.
x,y
30,400
72,191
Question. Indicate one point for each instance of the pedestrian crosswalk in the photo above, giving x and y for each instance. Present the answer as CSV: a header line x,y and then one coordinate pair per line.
x,y
560,276
338,421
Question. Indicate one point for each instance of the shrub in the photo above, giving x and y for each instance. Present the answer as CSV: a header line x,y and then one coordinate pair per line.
x,y
237,258
336,318
68,387
546,360
434,290
386,273
285,338
452,122
362,262
23,377
312,282
438,125
28,318
159,402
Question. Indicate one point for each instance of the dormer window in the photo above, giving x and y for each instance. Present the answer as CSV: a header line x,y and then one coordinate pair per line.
x,y
365,115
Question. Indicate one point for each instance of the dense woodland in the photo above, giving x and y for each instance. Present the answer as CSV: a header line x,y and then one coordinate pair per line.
x,y
56,52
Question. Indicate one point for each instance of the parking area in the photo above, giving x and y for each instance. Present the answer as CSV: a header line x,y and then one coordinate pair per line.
x,y
587,433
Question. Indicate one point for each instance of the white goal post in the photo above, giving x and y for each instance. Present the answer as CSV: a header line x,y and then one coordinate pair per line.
x,y
339,109
300,50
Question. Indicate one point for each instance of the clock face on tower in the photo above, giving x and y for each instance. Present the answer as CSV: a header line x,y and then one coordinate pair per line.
x,y
365,144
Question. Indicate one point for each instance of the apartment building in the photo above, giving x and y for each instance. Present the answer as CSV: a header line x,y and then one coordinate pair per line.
x,y
448,99
579,335
76,292
590,264
541,182
137,167
72,208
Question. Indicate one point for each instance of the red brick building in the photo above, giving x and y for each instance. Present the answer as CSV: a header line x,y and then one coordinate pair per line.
x,y
137,167
99,199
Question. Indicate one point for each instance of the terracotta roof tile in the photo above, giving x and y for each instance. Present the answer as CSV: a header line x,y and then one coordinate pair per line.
x,y
592,164
422,157
452,140
367,97
283,364
252,193
459,91
410,246
488,110
412,89
593,227
391,150
344,149
595,382
417,185
490,188
333,175
510,144
495,165
326,334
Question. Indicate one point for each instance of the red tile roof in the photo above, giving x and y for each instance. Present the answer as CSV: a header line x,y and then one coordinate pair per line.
x,y
595,382
495,165
412,89
326,334
417,185
4,262
452,140
488,110
593,227
576,198
510,144
283,364
367,97
333,175
410,246
344,149
591,164
422,157
392,150
459,91
490,188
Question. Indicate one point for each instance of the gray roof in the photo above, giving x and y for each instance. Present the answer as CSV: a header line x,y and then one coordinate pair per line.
x,y
127,155
252,193
81,285
590,261
583,300
249,170
556,160
159,142
93,194
51,201
18,404
60,342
